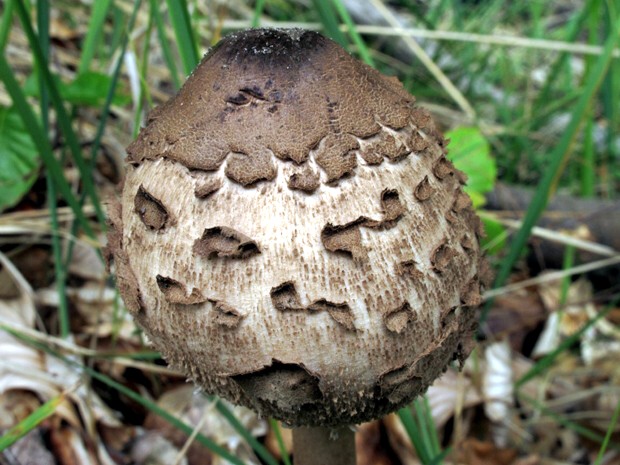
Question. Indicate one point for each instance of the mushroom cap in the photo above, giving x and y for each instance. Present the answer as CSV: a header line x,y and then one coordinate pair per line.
x,y
291,235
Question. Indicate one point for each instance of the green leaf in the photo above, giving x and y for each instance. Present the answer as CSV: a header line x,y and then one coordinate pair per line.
x,y
31,421
495,239
471,153
18,159
90,88
87,89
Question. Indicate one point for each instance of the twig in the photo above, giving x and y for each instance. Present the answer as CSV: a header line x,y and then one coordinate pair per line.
x,y
553,276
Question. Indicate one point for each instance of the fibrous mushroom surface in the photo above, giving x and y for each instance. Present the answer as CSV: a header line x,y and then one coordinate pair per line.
x,y
291,235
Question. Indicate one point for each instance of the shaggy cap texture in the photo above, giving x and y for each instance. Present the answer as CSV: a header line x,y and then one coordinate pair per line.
x,y
292,236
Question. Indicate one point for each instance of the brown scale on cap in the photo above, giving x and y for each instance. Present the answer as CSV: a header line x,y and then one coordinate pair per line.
x,y
397,319
225,242
348,238
423,190
281,235
285,298
176,293
151,211
226,315
206,187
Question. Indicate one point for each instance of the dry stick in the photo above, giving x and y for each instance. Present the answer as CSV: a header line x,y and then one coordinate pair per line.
x,y
549,277
323,446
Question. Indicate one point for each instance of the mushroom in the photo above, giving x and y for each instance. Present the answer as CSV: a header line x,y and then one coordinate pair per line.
x,y
291,235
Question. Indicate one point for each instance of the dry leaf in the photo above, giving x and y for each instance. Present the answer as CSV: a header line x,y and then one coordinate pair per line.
x,y
152,448
450,393
191,405
497,389
474,452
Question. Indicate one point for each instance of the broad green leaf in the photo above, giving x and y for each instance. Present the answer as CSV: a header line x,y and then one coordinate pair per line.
x,y
471,153
87,89
19,165
495,240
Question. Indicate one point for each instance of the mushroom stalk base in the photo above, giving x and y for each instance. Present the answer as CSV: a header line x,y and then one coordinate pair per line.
x,y
324,446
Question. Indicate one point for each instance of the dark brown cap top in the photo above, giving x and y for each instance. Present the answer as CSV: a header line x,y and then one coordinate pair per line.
x,y
270,92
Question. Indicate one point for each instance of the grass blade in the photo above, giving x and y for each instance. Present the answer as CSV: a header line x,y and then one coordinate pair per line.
x,y
258,11
163,42
43,24
260,450
357,39
544,96
576,427
93,36
31,421
330,21
144,88
5,24
281,447
63,118
588,166
422,422
610,430
103,118
558,159
179,16
414,433
41,141
157,410
105,111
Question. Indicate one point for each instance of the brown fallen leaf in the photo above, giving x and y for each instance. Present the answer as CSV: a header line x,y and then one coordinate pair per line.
x,y
372,446
514,316
475,452
194,408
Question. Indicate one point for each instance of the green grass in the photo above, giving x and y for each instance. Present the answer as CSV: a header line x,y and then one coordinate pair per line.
x,y
488,87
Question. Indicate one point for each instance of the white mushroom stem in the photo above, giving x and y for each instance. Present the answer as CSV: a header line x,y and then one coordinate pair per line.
x,y
324,446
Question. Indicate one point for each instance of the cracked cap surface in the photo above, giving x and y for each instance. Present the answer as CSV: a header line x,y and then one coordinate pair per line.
x,y
291,235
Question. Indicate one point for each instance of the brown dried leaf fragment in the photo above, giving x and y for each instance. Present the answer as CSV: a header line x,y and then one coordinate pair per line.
x,y
151,211
176,292
224,242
